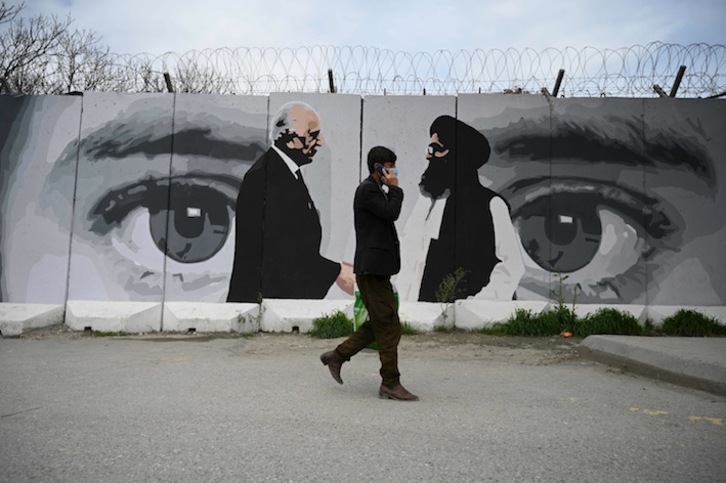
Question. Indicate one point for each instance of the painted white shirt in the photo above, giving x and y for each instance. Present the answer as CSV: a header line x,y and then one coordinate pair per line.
x,y
294,168
424,224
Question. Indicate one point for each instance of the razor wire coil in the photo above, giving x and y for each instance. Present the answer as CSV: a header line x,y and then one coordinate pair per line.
x,y
589,72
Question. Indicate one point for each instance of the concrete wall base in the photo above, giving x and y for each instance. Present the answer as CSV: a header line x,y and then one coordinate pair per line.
x,y
210,317
127,317
479,314
427,316
18,318
282,315
278,315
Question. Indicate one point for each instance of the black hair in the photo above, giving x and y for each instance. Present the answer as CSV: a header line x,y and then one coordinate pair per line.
x,y
380,155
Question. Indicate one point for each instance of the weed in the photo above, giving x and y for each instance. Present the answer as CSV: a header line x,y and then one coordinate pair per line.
x,y
649,328
408,329
565,315
448,290
523,322
690,323
332,326
608,321
496,329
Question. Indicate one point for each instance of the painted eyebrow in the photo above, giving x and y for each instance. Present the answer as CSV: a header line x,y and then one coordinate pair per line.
x,y
537,140
129,135
194,141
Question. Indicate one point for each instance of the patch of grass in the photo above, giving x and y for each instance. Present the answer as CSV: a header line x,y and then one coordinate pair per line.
x,y
524,323
497,329
408,329
552,322
608,321
690,323
684,323
332,326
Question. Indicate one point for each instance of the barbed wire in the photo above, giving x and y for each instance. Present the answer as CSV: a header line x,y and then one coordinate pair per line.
x,y
588,72
622,72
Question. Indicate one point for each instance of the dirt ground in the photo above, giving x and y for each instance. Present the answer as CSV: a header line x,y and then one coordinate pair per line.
x,y
439,345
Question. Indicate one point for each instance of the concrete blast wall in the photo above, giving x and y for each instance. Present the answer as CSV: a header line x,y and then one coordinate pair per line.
x,y
140,198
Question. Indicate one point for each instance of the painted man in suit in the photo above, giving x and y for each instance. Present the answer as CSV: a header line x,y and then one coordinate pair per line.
x,y
278,231
476,235
377,257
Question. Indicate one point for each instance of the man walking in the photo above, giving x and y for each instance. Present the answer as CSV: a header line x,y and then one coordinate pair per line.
x,y
377,257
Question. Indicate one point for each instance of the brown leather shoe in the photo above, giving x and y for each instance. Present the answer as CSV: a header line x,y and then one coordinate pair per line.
x,y
334,363
397,393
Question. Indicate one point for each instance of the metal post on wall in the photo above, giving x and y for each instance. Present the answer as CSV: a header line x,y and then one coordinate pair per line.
x,y
167,79
331,82
659,90
679,78
558,82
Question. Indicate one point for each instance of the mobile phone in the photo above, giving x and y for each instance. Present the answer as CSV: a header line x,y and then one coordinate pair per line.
x,y
379,167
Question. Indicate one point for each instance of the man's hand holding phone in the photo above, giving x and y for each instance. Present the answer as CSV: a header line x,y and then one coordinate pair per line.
x,y
388,176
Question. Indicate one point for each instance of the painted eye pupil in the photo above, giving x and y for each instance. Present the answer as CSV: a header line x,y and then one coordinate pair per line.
x,y
570,224
198,224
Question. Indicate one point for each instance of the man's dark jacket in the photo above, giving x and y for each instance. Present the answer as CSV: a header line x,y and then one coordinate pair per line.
x,y
377,250
278,234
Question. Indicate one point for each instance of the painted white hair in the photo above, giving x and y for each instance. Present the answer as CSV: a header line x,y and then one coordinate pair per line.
x,y
280,122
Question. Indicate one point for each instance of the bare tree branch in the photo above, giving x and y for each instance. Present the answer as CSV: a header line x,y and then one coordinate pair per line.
x,y
24,43
8,13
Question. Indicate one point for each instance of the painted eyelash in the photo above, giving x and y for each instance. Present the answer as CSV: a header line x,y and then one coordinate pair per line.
x,y
118,203
152,194
637,206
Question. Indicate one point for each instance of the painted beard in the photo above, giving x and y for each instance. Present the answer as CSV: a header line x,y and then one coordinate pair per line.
x,y
438,180
300,158
297,155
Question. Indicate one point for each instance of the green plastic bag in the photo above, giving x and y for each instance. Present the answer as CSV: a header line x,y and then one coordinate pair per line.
x,y
360,312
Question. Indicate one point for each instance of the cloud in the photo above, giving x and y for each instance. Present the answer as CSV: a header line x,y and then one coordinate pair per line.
x,y
158,26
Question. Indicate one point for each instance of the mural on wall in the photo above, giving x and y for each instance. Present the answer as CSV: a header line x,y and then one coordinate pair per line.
x,y
121,197
475,235
685,177
135,197
599,200
36,199
216,140
278,230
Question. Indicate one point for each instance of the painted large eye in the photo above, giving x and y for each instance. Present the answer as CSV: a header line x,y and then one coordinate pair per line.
x,y
191,225
570,226
599,235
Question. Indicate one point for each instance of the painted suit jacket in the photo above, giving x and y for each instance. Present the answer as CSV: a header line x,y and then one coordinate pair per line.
x,y
278,235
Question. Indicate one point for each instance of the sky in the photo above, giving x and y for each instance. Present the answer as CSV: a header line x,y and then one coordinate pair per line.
x,y
159,26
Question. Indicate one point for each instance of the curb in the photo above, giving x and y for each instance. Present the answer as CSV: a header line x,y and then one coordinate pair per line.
x,y
655,358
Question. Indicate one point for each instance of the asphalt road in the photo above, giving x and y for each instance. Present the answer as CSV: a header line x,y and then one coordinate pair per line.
x,y
119,410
